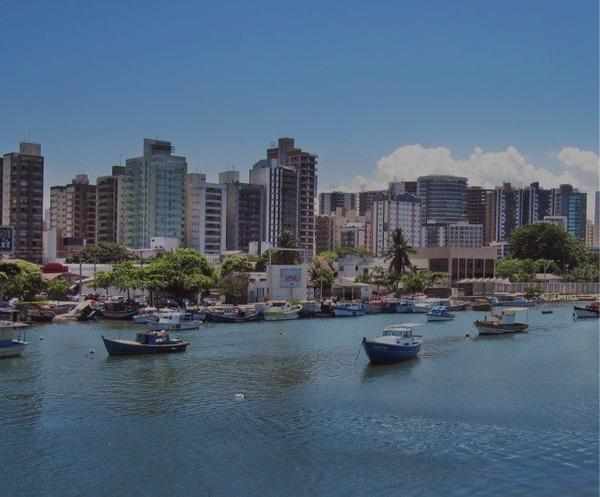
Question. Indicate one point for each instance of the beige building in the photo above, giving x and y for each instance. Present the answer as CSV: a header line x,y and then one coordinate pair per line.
x,y
461,263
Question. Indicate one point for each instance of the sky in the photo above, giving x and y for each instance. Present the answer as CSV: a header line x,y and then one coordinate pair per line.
x,y
379,90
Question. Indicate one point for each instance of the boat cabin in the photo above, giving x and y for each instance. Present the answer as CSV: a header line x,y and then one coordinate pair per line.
x,y
152,337
400,330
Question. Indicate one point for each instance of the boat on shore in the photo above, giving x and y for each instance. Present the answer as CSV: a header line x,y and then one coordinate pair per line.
x,y
588,311
174,321
85,311
348,310
146,342
280,310
502,321
40,313
12,339
439,313
397,343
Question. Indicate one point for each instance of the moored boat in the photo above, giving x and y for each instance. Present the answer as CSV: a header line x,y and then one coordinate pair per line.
x,y
481,305
420,307
403,306
12,339
588,311
280,310
174,321
513,301
146,314
146,342
397,343
348,310
40,313
502,321
118,310
232,314
439,313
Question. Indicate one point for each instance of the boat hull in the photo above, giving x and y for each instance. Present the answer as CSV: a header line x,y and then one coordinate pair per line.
x,y
347,313
489,328
158,326
420,309
118,314
281,316
585,313
481,307
381,353
223,318
439,318
145,318
124,347
12,350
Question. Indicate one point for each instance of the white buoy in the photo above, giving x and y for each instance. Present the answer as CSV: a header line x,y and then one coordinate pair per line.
x,y
239,396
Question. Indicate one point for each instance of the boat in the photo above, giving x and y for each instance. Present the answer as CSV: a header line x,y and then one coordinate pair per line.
x,y
397,343
348,310
515,301
280,310
325,310
86,311
174,320
146,342
547,311
146,314
232,314
403,306
40,313
309,308
118,310
481,305
439,313
12,339
381,305
588,311
502,321
420,307
456,305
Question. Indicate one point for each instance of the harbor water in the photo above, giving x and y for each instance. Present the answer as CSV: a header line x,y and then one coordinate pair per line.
x,y
493,416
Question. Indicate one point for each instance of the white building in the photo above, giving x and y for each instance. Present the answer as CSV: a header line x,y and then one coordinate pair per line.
x,y
279,282
388,215
464,235
205,215
560,221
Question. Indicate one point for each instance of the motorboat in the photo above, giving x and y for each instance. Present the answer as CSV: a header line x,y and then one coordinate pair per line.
x,y
118,309
12,339
502,321
403,306
515,301
381,305
40,313
174,321
481,305
588,311
397,343
439,313
146,342
146,314
348,310
233,314
456,305
420,307
280,310
325,310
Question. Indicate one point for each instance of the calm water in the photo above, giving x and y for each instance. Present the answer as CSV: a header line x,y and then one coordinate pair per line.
x,y
509,415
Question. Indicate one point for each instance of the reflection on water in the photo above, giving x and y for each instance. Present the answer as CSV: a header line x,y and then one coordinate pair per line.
x,y
497,415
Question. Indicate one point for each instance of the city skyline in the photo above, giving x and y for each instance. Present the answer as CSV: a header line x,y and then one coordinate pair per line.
x,y
368,97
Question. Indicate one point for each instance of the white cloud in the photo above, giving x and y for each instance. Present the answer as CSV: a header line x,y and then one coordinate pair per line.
x,y
487,169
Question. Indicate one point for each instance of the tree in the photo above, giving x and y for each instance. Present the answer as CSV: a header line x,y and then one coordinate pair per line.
x,y
398,255
516,269
236,264
235,287
547,241
103,279
103,253
587,272
58,288
22,279
285,257
341,252
418,280
546,265
321,274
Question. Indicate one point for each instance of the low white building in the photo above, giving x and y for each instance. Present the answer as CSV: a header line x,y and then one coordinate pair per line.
x,y
280,282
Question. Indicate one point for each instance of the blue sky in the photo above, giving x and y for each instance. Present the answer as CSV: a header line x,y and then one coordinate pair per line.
x,y
351,81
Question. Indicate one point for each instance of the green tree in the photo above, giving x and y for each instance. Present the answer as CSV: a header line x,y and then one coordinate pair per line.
x,y
398,255
22,279
321,274
418,280
234,286
236,264
103,253
547,241
546,265
103,279
58,288
586,272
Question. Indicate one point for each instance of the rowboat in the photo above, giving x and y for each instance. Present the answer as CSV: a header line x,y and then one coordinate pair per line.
x,y
397,343
502,321
146,342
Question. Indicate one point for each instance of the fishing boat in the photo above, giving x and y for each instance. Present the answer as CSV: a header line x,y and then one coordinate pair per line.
x,y
420,307
502,321
85,311
146,342
514,301
12,339
280,310
174,321
481,305
403,306
40,313
397,343
118,310
456,305
439,313
381,305
325,310
588,311
348,310
146,314
232,314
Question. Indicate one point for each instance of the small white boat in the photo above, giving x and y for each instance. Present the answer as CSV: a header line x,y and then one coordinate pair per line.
x,y
502,321
516,301
588,311
12,339
280,310
439,313
174,321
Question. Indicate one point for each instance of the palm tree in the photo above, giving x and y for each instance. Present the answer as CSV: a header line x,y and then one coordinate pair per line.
x,y
398,254
546,265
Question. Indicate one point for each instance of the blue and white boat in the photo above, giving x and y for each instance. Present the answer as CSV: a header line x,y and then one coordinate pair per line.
x,y
397,343
146,314
348,310
174,321
439,313
403,306
146,342
12,339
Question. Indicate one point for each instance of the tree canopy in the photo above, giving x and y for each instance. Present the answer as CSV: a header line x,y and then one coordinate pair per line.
x,y
341,252
21,279
398,254
236,264
103,253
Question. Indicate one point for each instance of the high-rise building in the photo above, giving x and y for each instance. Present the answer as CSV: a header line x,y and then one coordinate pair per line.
x,y
205,215
366,199
508,211
537,203
245,211
323,233
152,201
399,187
589,234
403,213
73,214
330,201
107,205
478,204
464,235
22,199
572,204
280,194
597,219
305,165
444,198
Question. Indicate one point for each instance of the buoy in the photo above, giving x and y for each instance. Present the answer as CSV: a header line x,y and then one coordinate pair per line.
x,y
280,333
92,351
239,396
467,335
41,338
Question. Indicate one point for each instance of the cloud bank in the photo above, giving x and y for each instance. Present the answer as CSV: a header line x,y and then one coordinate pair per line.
x,y
487,169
